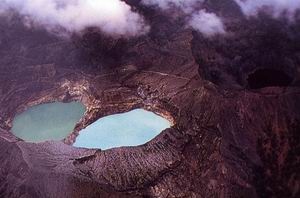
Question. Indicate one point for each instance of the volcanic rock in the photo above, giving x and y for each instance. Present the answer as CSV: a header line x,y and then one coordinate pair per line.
x,y
228,139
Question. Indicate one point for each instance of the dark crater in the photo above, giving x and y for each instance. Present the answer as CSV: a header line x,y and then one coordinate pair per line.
x,y
249,45
268,78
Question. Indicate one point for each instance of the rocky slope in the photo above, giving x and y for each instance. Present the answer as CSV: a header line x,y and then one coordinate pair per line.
x,y
228,140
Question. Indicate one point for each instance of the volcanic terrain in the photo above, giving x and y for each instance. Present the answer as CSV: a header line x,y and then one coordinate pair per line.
x,y
235,133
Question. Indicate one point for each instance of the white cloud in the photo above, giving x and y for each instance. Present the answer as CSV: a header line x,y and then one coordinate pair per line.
x,y
112,16
209,24
275,7
186,5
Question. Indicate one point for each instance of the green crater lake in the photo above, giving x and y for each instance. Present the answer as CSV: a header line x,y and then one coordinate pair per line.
x,y
126,129
51,121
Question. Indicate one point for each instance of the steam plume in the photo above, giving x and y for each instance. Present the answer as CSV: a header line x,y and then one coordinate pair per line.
x,y
186,5
113,17
276,8
209,24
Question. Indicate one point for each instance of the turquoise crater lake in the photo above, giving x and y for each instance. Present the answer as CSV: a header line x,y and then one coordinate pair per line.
x,y
126,129
51,121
